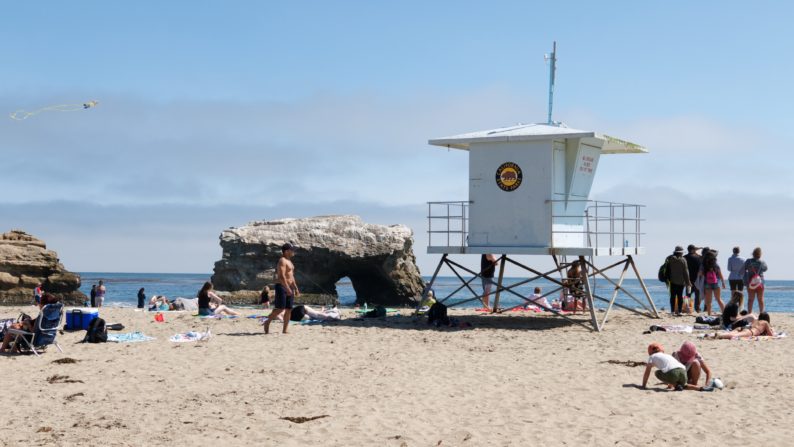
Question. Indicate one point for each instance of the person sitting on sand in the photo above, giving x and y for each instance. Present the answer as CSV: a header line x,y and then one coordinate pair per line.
x,y
211,304
688,355
732,318
302,311
537,299
27,324
670,371
264,298
159,303
760,328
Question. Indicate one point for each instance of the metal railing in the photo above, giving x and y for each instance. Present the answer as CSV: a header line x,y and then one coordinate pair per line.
x,y
605,224
447,223
600,224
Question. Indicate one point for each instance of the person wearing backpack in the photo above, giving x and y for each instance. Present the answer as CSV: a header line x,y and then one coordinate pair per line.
x,y
712,276
754,269
693,261
678,276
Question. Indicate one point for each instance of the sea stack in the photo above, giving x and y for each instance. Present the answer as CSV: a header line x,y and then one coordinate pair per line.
x,y
25,262
378,259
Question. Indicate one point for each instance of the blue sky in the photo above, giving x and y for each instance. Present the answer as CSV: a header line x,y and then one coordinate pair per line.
x,y
238,111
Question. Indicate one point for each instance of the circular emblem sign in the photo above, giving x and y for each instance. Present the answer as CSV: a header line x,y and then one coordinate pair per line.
x,y
508,176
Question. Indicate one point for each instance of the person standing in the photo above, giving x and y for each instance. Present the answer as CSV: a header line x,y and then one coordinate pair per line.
x,y
100,294
678,272
141,298
736,271
754,269
286,287
712,276
37,293
693,261
93,295
487,270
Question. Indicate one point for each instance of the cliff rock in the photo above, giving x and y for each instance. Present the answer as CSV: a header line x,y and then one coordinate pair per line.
x,y
25,262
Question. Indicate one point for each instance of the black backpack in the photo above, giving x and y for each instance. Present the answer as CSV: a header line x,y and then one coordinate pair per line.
x,y
96,332
664,271
437,314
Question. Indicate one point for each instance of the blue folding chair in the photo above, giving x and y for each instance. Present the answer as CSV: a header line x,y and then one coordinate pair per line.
x,y
44,331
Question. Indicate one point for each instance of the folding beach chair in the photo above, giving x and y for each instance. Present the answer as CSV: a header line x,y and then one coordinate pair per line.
x,y
44,331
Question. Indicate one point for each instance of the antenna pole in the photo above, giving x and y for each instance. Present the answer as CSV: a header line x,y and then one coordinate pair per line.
x,y
552,69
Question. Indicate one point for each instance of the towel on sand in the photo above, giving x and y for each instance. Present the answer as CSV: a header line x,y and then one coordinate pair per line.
x,y
190,336
129,337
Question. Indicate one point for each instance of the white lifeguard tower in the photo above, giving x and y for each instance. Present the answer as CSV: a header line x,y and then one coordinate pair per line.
x,y
529,188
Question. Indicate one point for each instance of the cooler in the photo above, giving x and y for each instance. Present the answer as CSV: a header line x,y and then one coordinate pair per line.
x,y
79,318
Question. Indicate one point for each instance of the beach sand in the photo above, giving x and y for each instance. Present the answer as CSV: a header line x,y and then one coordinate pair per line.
x,y
509,380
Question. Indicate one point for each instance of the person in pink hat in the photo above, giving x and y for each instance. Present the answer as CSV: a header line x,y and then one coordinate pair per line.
x,y
688,355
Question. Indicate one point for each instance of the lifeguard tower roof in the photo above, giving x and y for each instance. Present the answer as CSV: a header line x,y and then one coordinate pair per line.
x,y
537,132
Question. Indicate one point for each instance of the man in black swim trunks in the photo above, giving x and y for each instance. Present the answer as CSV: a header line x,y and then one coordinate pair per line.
x,y
286,287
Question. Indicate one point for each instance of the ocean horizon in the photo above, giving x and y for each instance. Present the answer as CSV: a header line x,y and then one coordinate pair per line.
x,y
122,289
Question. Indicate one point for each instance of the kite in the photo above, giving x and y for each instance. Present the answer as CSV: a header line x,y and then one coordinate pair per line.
x,y
20,115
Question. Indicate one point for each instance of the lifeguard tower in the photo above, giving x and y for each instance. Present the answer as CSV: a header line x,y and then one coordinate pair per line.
x,y
529,188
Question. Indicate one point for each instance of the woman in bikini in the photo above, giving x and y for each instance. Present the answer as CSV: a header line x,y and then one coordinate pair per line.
x,y
760,328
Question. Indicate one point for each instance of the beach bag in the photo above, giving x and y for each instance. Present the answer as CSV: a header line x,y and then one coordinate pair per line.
x,y
756,282
664,271
711,277
96,332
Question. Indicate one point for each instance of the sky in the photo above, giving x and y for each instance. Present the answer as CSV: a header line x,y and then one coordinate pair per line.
x,y
214,114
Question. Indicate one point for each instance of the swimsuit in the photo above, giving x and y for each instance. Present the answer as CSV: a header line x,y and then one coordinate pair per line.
x,y
284,298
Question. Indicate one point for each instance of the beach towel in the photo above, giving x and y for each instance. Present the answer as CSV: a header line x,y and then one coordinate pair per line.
x,y
217,317
363,311
129,337
190,337
257,316
316,321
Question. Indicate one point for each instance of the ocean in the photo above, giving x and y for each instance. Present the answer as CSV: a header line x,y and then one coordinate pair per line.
x,y
122,290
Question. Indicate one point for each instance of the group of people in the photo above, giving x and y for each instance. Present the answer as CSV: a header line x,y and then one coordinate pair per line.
x,y
694,273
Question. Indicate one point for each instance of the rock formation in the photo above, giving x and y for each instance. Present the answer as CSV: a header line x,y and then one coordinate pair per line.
x,y
379,260
25,262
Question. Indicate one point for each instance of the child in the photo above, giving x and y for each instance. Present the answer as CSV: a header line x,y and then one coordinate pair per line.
x,y
264,298
689,356
671,371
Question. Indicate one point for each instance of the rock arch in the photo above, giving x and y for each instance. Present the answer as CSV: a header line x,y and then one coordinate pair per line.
x,y
378,259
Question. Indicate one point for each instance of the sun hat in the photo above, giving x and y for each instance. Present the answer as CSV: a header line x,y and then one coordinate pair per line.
x,y
687,352
655,347
678,249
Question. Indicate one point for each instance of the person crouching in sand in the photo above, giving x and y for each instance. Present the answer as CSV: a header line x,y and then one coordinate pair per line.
x,y
286,287
689,356
670,371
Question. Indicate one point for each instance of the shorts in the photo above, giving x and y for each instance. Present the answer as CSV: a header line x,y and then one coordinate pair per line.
x,y
736,284
486,284
714,286
204,311
675,376
283,299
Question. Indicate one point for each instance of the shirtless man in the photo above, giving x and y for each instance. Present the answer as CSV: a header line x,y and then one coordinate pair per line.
x,y
286,288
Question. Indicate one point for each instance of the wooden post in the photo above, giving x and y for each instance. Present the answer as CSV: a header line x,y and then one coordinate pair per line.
x,y
433,279
588,293
644,289
499,285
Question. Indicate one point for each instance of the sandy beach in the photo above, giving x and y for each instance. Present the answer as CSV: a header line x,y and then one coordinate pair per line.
x,y
509,380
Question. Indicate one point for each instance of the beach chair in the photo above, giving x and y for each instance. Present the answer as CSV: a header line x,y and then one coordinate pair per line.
x,y
44,331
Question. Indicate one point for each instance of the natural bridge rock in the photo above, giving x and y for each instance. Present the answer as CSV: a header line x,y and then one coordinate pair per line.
x,y
378,259
25,262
